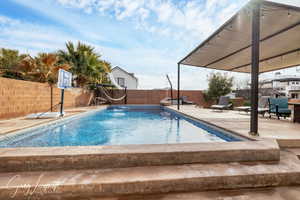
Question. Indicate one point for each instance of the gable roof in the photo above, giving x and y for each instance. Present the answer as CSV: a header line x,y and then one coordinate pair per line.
x,y
130,74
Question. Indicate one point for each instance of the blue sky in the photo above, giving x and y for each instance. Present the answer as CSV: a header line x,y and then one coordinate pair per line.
x,y
146,37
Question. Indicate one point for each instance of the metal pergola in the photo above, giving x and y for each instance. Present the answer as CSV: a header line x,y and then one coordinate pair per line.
x,y
263,36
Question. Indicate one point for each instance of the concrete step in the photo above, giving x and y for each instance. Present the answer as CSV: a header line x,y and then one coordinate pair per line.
x,y
105,157
84,184
274,193
296,151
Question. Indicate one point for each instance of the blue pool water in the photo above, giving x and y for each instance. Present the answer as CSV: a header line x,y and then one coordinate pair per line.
x,y
121,126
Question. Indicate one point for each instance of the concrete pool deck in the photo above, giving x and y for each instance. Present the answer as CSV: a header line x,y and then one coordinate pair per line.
x,y
20,123
284,131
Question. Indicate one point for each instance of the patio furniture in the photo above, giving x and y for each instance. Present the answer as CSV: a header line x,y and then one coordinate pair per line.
x,y
223,104
243,109
166,101
185,101
263,106
295,112
279,107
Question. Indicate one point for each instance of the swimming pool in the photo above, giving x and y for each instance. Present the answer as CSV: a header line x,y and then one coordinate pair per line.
x,y
121,125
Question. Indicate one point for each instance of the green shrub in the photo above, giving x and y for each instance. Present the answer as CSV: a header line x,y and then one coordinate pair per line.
x,y
219,85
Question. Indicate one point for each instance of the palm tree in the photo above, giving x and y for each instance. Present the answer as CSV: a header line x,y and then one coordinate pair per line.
x,y
48,67
86,64
43,68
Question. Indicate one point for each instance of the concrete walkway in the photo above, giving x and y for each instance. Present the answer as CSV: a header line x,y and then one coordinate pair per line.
x,y
286,132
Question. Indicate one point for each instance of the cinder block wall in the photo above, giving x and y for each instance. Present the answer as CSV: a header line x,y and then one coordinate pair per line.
x,y
18,98
155,96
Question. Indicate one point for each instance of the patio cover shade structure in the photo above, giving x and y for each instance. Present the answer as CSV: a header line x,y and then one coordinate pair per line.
x,y
263,36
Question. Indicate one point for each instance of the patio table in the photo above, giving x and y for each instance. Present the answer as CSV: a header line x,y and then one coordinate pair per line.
x,y
295,107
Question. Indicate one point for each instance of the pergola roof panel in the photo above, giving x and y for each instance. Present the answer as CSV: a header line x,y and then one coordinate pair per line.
x,y
229,48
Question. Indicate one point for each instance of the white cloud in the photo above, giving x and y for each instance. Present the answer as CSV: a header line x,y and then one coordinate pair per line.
x,y
128,8
191,17
184,23
39,38
31,37
87,5
164,11
227,13
144,13
7,21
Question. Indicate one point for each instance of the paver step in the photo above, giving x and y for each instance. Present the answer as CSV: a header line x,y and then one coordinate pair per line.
x,y
83,184
104,157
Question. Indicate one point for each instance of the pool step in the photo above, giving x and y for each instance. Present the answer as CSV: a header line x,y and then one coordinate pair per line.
x,y
105,157
86,184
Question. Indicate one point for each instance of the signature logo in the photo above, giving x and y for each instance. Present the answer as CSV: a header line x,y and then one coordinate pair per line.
x,y
28,190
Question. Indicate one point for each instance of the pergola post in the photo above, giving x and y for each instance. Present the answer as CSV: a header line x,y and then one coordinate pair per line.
x,y
178,86
255,66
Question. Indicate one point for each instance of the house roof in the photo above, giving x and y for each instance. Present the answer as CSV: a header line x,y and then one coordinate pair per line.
x,y
130,74
229,48
284,79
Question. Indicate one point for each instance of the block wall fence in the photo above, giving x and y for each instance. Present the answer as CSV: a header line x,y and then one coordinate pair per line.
x,y
18,98
155,96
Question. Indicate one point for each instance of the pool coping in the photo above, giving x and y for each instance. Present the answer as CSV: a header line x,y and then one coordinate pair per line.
x,y
124,156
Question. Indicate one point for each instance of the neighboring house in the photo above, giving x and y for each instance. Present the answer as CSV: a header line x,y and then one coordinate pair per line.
x,y
288,86
125,79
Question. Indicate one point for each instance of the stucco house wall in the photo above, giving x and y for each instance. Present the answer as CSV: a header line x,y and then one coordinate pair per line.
x,y
131,82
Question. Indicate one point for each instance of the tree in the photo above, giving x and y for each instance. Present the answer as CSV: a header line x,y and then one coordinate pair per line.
x,y
43,68
219,85
9,61
81,59
86,64
48,67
